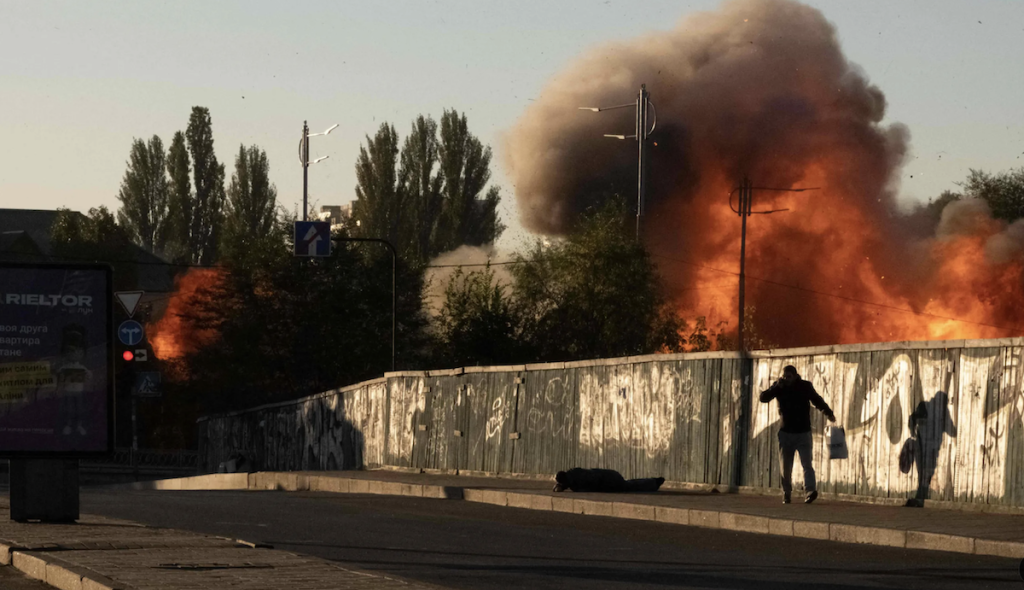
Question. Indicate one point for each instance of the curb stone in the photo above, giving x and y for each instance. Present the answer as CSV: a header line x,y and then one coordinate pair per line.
x,y
733,521
59,574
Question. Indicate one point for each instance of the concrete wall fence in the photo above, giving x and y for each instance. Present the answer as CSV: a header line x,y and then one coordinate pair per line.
x,y
691,418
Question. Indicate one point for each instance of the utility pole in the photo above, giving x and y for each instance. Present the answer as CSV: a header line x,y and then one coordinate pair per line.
x,y
746,197
744,212
304,155
304,159
642,105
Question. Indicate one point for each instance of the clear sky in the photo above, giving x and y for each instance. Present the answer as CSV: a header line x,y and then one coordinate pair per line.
x,y
80,80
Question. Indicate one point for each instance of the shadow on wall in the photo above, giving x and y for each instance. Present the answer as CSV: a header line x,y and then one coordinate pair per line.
x,y
313,434
928,422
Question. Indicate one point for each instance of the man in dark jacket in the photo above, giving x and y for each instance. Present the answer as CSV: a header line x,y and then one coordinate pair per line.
x,y
795,397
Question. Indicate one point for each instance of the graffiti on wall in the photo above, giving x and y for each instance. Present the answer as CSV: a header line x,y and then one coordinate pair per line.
x,y
924,424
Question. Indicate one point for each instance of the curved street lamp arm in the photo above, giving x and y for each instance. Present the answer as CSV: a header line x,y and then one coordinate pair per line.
x,y
600,109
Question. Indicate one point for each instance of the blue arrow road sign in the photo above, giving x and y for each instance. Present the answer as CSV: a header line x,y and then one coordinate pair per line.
x,y
130,332
312,238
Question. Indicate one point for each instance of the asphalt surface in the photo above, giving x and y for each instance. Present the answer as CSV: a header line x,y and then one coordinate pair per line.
x,y
479,546
12,579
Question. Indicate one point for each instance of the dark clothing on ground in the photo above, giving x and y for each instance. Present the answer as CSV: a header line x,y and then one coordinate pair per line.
x,y
603,480
794,404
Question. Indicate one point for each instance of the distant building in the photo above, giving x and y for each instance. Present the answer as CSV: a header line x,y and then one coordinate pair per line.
x,y
338,215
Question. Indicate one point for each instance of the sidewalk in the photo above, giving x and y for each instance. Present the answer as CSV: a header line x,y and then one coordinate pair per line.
x,y
101,553
980,533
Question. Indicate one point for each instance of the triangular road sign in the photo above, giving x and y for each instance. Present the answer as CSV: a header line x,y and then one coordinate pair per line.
x,y
129,300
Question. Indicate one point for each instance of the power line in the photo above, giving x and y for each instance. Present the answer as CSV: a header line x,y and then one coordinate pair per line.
x,y
522,261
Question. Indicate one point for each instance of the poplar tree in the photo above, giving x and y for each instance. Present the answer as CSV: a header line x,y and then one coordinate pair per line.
x,y
143,195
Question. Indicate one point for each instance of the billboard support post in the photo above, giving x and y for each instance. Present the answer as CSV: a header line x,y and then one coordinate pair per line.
x,y
44,489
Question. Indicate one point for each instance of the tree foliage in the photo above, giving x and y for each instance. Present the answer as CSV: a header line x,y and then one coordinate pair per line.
x,y
429,197
251,204
423,189
94,237
208,179
179,200
1003,191
144,194
478,323
465,170
596,294
287,327
380,195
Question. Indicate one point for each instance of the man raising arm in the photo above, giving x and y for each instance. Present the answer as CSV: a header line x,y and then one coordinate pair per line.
x,y
795,397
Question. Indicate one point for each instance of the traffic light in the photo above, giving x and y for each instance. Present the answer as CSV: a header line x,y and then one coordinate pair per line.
x,y
128,355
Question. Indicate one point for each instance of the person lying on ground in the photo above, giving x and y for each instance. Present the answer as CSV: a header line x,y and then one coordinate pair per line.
x,y
603,480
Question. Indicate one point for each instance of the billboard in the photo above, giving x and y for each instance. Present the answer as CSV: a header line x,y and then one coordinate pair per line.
x,y
56,360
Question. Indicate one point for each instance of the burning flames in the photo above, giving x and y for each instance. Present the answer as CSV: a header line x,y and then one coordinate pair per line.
x,y
761,89
172,336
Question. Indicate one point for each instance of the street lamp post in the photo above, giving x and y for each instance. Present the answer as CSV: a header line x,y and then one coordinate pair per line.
x,y
304,158
746,198
642,104
394,260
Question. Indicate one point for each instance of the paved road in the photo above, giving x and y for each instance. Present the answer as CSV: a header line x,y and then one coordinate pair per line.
x,y
12,579
478,546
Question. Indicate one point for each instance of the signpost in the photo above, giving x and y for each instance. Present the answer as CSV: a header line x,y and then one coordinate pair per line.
x,y
313,238
56,381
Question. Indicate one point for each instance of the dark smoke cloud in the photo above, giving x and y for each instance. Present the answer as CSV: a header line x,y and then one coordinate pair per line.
x,y
758,89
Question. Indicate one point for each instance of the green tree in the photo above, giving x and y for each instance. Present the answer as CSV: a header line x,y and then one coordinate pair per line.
x,y
379,208
96,237
179,202
143,195
423,188
208,179
287,327
251,204
478,323
426,199
465,170
1003,191
595,295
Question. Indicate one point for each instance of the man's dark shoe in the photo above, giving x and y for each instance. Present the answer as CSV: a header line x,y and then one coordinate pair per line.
x,y
811,497
786,499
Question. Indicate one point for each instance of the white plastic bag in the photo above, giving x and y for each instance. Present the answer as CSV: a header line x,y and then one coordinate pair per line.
x,y
835,440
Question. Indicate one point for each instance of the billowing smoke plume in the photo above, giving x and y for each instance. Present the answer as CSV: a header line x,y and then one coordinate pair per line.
x,y
761,89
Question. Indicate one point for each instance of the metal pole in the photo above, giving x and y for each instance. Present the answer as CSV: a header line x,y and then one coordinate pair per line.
x,y
394,312
745,198
135,430
305,166
641,138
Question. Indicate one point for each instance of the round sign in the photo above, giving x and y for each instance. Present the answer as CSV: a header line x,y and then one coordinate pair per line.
x,y
130,332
